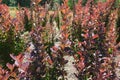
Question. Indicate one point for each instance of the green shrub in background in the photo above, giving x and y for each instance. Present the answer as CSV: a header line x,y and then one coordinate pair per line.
x,y
9,44
7,2
26,3
23,3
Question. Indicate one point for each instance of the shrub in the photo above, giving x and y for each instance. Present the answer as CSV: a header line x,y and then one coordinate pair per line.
x,y
50,34
9,38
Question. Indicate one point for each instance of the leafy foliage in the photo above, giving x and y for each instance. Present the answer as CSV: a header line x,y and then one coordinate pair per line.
x,y
10,41
44,36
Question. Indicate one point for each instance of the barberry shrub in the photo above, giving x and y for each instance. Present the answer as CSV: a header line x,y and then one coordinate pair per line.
x,y
88,32
97,22
10,41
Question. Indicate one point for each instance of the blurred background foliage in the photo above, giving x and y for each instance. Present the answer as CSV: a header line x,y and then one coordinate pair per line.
x,y
26,3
